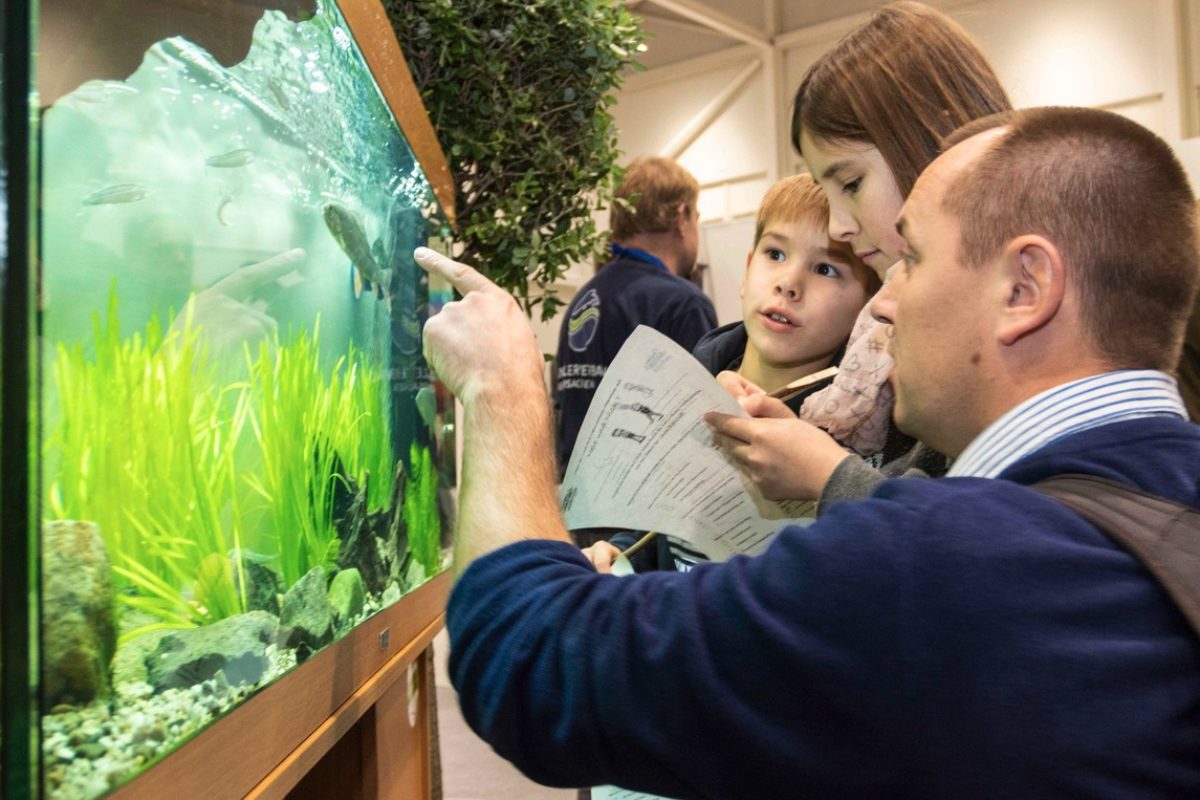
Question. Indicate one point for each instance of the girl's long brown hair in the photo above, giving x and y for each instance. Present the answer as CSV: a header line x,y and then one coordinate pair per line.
x,y
900,82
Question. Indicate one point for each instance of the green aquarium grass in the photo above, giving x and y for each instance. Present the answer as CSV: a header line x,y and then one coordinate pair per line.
x,y
143,449
146,448
314,429
421,511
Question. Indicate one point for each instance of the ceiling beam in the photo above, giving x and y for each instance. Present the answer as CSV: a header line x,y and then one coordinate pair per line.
x,y
709,114
720,22
682,24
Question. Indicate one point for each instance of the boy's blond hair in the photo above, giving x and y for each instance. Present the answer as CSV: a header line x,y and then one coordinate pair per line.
x,y
654,188
798,198
794,199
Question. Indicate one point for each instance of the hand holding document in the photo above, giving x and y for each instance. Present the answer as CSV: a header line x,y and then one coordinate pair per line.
x,y
645,459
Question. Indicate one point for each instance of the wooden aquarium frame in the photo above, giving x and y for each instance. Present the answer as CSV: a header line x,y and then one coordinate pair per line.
x,y
289,736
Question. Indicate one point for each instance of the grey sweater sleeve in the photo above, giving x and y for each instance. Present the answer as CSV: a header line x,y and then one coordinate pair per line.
x,y
855,479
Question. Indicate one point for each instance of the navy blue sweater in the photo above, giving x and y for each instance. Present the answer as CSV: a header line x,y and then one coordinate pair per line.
x,y
951,638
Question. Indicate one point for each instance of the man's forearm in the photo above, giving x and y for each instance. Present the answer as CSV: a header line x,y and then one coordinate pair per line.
x,y
508,490
484,351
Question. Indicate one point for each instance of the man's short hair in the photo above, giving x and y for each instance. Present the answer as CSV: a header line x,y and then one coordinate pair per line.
x,y
1116,202
649,197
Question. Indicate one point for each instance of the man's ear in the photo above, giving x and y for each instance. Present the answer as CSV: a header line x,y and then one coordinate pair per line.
x,y
1034,282
682,216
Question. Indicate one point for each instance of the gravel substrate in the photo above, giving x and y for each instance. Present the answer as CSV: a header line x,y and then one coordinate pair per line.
x,y
92,750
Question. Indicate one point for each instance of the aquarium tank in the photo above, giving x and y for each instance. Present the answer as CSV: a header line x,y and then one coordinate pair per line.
x,y
241,454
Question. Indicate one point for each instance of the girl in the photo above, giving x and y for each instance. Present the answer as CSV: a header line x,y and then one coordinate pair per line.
x,y
868,117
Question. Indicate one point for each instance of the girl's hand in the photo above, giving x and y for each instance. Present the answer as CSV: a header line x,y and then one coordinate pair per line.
x,y
785,457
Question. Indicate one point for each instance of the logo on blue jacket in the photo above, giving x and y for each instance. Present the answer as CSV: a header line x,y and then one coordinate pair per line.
x,y
584,320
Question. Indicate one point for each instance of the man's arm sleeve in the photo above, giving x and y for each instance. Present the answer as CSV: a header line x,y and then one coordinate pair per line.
x,y
687,684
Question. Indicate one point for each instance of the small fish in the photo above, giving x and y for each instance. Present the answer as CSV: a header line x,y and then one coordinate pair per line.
x,y
117,193
226,201
349,235
277,92
101,91
234,158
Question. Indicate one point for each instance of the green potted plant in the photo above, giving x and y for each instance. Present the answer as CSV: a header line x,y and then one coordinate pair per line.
x,y
519,94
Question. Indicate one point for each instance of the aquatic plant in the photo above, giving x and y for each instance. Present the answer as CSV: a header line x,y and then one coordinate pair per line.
x,y
313,428
144,447
154,450
519,92
421,511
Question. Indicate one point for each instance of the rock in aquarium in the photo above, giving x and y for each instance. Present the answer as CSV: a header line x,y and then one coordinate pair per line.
x,y
307,618
79,634
236,646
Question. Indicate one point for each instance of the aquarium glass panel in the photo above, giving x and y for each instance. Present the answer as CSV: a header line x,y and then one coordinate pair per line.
x,y
240,437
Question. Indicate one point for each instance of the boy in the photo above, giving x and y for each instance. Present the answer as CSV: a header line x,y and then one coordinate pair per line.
x,y
800,296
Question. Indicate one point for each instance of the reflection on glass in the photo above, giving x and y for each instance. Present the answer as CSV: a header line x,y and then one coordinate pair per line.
x,y
239,452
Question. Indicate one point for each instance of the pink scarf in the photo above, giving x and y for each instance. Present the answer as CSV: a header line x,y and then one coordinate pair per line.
x,y
857,406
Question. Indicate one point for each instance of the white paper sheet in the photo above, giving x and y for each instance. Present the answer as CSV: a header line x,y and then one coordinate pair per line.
x,y
616,793
645,460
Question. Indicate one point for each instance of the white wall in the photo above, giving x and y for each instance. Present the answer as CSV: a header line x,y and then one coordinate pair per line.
x,y
1140,58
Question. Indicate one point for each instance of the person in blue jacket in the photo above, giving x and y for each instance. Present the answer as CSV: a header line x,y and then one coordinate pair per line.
x,y
655,239
961,637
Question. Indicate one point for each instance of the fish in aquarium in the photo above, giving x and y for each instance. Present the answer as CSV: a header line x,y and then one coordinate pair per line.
x,y
97,91
351,237
226,201
234,158
118,193
280,96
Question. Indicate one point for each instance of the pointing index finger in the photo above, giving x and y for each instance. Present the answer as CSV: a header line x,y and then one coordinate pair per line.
x,y
463,278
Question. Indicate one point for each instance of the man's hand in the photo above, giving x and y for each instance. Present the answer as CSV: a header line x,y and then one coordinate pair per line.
x,y
785,457
482,343
483,350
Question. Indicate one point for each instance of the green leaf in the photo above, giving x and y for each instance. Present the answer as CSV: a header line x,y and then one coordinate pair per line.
x,y
520,94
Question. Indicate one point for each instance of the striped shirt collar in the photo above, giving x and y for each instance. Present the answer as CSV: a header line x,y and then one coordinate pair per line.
x,y
1064,411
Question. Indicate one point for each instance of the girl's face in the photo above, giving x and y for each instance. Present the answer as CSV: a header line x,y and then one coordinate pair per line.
x,y
864,200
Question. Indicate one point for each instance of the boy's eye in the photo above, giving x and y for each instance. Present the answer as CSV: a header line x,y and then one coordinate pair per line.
x,y
828,270
775,254
852,186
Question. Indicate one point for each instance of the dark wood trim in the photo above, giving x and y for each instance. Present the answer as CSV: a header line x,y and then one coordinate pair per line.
x,y
373,31
19,441
263,747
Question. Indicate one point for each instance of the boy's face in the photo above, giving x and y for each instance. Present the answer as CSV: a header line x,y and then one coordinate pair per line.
x,y
800,295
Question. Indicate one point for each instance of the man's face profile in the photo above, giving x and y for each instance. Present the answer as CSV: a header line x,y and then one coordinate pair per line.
x,y
940,313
